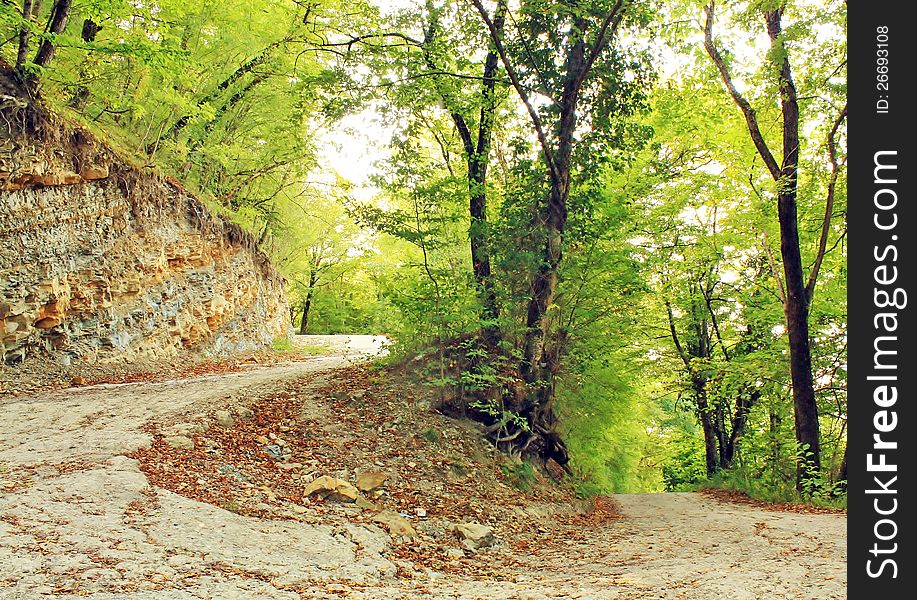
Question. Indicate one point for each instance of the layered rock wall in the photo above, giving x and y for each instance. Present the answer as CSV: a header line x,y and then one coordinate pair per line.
x,y
101,261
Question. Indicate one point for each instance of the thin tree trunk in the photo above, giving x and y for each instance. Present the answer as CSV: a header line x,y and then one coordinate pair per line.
x,y
842,472
244,68
477,156
704,414
224,107
739,421
307,305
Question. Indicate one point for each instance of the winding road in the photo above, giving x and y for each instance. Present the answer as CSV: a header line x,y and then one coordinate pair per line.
x,y
79,519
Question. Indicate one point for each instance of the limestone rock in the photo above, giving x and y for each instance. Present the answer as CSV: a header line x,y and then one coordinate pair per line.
x,y
475,535
332,488
182,442
223,418
455,553
366,504
368,481
93,172
395,524
99,272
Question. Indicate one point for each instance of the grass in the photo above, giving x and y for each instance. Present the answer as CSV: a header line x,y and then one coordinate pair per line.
x,y
314,350
826,495
285,345
521,476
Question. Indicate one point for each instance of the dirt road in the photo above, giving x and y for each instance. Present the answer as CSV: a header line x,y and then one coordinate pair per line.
x,y
79,519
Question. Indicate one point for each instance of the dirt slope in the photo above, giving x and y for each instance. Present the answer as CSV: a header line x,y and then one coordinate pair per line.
x,y
195,489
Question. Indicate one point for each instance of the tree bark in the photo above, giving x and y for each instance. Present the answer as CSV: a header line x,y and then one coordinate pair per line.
x,y
29,8
842,472
477,187
743,408
552,220
477,156
704,415
805,406
536,369
307,304
60,13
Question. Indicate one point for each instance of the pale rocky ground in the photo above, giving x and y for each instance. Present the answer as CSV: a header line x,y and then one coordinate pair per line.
x,y
79,519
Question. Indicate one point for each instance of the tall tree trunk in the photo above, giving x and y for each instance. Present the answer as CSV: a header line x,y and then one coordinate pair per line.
x,y
60,13
536,369
29,9
552,220
477,187
785,175
805,406
90,30
477,156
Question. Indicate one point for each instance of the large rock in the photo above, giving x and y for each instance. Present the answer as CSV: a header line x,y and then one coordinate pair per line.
x,y
224,418
332,488
181,442
475,535
369,481
397,526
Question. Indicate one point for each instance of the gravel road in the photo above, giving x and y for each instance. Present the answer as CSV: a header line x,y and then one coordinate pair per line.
x,y
79,519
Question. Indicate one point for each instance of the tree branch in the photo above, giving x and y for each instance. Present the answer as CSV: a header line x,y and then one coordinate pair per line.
x,y
829,203
611,23
521,91
751,120
362,38
674,333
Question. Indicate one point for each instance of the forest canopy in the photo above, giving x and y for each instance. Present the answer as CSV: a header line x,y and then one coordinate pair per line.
x,y
615,228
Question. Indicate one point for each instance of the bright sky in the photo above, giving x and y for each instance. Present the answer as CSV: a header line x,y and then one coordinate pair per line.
x,y
353,145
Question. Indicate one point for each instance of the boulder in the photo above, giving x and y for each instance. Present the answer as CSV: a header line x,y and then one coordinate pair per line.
x,y
223,418
395,524
332,488
475,535
369,481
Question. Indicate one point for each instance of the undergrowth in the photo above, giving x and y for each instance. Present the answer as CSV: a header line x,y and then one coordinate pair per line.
x,y
824,494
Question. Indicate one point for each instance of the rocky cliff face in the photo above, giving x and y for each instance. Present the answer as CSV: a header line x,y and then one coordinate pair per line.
x,y
103,261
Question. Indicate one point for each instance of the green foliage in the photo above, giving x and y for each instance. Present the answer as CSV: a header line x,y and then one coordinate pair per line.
x,y
823,494
520,475
684,468
432,435
668,308
604,420
282,344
